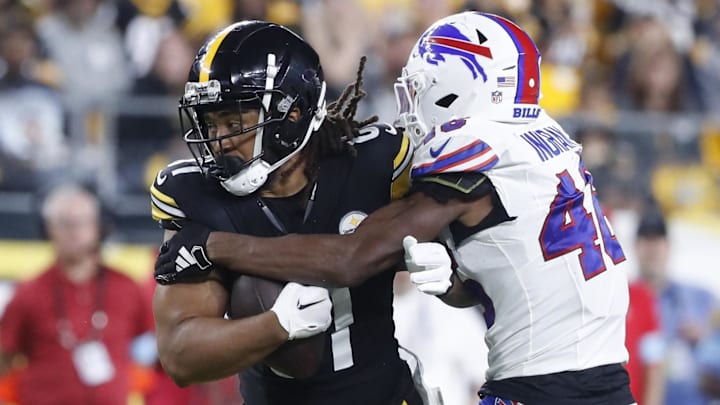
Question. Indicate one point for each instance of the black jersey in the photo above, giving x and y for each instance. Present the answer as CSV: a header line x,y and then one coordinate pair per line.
x,y
361,362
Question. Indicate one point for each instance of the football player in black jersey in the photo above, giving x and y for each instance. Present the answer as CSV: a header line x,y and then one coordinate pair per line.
x,y
269,161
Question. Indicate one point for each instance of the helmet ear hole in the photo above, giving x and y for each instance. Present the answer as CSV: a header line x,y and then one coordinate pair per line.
x,y
445,102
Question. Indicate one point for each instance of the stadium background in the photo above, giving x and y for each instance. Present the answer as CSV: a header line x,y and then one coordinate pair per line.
x,y
89,88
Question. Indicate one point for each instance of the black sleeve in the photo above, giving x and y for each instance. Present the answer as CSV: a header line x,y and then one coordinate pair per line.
x,y
447,186
386,153
465,187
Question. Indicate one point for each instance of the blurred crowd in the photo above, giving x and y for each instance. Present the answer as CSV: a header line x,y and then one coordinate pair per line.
x,y
89,89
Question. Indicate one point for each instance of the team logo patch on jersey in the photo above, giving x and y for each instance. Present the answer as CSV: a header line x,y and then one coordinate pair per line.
x,y
496,97
350,222
448,40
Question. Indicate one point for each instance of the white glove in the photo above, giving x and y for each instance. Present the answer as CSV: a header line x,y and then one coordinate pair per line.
x,y
429,265
303,311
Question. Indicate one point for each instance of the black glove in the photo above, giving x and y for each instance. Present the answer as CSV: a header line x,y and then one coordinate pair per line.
x,y
184,256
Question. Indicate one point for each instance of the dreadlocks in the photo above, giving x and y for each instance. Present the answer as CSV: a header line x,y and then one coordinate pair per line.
x,y
337,132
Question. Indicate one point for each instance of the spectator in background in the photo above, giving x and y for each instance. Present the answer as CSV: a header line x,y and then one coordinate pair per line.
x,y
80,35
341,34
709,354
81,38
167,78
396,37
706,51
675,15
144,26
658,81
596,98
644,343
653,75
32,149
684,312
453,361
613,164
75,322
564,44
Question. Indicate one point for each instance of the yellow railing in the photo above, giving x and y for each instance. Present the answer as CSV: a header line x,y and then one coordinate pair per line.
x,y
20,260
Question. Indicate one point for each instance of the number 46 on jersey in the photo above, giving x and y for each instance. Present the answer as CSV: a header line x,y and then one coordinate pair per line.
x,y
570,226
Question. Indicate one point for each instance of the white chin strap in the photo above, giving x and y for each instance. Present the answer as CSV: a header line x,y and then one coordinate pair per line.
x,y
248,180
252,177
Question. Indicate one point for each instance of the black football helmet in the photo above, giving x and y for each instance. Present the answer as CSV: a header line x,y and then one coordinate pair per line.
x,y
253,65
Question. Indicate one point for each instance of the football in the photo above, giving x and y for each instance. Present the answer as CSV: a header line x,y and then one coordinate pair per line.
x,y
296,358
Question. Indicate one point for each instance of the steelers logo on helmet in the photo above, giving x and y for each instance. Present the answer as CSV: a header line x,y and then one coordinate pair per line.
x,y
252,68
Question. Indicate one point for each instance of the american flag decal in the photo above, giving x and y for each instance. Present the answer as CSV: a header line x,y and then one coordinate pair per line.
x,y
506,81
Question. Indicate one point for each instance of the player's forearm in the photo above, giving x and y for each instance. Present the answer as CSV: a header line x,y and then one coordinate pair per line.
x,y
205,349
335,260
459,295
324,260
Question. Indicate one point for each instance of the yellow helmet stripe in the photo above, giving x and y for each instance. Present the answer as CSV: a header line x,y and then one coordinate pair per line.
x,y
162,196
212,49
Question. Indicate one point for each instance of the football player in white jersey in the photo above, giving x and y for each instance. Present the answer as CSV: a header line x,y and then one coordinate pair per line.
x,y
503,186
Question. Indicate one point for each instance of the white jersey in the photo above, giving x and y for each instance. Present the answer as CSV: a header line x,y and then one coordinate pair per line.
x,y
556,297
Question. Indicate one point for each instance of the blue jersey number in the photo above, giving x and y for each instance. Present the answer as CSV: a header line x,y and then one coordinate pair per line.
x,y
569,226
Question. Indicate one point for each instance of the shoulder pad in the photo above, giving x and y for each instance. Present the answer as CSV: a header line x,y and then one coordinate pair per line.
x,y
388,152
456,147
168,188
384,141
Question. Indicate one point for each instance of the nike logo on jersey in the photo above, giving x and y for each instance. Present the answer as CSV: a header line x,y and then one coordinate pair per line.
x,y
160,179
436,152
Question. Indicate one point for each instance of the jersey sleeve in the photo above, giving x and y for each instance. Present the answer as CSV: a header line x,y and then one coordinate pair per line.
x,y
164,195
386,153
452,162
454,147
445,186
400,183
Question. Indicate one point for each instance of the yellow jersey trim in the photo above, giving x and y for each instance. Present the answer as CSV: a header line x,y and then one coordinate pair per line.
x,y
163,197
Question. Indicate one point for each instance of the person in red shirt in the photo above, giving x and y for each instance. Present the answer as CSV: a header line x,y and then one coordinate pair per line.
x,y
74,322
644,343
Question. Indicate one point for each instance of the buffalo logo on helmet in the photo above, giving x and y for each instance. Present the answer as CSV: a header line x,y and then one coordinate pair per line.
x,y
447,39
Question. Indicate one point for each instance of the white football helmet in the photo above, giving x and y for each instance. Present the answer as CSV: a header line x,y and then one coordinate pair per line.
x,y
469,64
